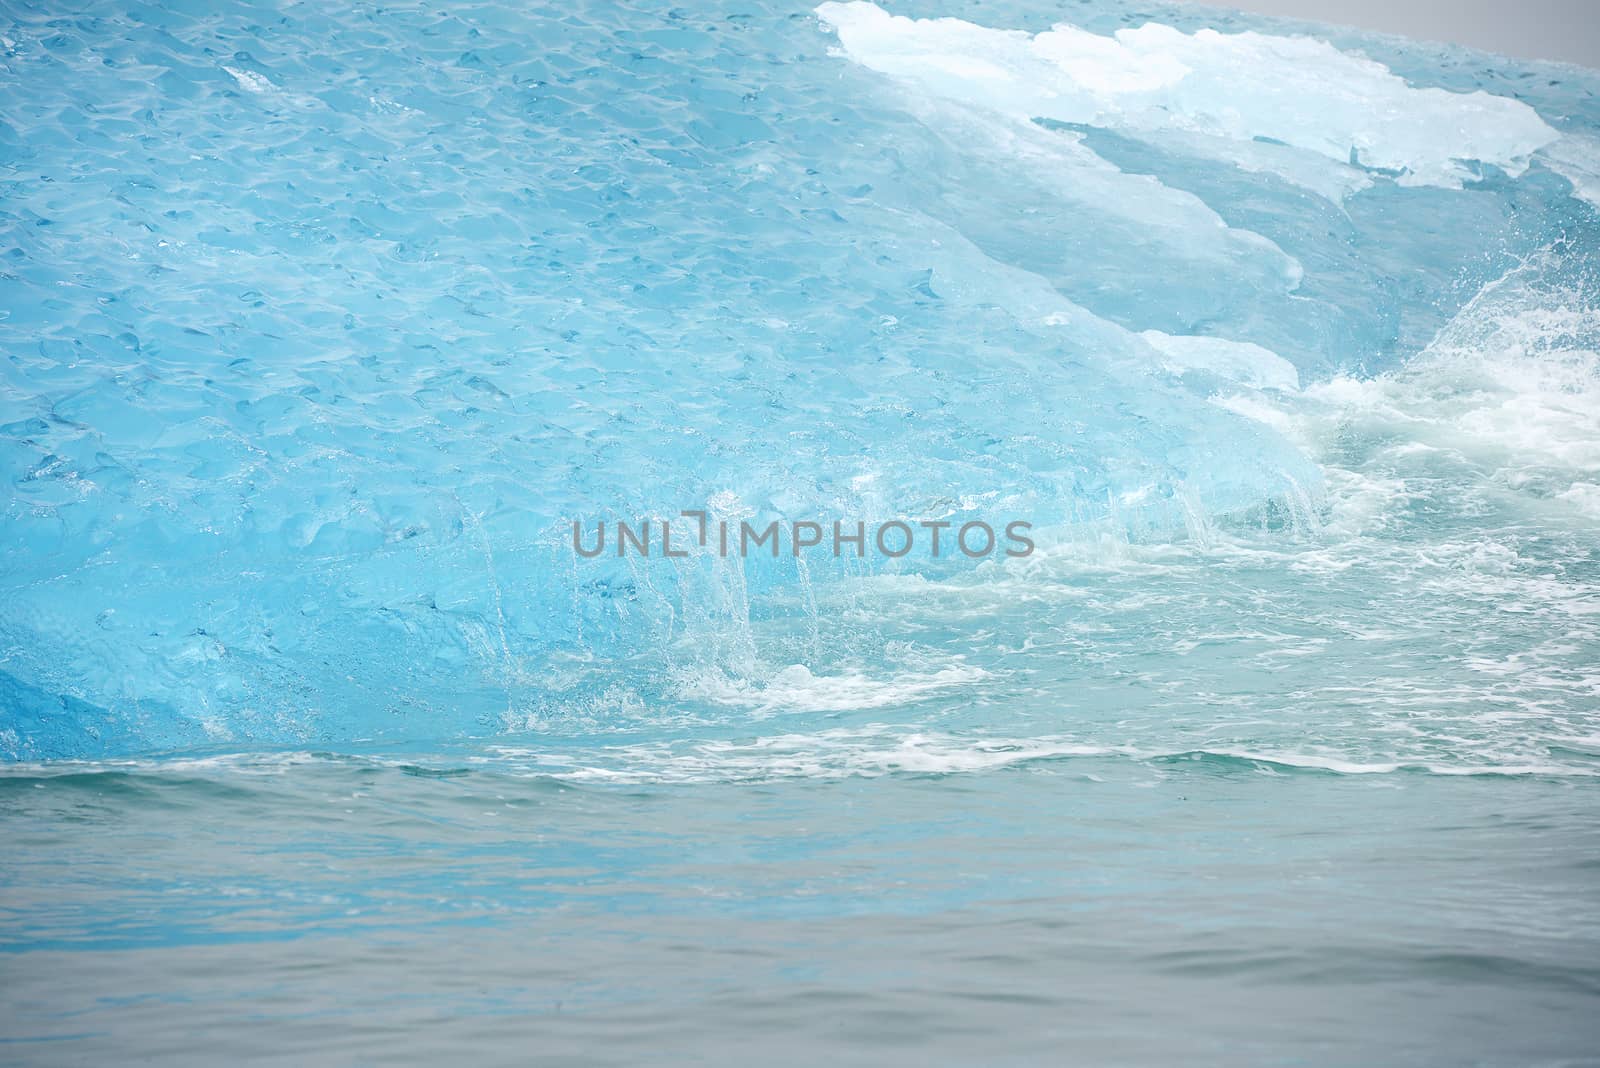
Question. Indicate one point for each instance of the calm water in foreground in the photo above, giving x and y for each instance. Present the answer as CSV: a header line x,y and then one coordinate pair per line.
x,y
1090,910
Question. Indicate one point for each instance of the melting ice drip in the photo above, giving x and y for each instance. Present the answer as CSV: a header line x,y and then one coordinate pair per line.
x,y
292,444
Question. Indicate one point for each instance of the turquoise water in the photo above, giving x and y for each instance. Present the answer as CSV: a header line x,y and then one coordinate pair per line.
x,y
320,743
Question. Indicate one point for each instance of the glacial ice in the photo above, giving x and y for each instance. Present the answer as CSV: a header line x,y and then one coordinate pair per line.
x,y
318,330
1240,87
1577,159
1238,361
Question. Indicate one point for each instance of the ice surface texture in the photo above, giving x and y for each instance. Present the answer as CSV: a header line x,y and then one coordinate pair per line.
x,y
1297,92
318,320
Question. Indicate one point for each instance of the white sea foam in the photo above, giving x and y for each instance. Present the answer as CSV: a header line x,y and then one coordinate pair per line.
x,y
1511,387
1299,94
883,749
869,751
796,689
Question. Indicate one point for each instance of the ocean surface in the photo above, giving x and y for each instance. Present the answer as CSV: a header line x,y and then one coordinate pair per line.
x,y
320,325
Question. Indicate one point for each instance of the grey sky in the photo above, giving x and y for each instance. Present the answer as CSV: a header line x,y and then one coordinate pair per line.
x,y
1565,30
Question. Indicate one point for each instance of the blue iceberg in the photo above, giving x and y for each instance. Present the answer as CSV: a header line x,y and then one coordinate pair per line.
x,y
319,332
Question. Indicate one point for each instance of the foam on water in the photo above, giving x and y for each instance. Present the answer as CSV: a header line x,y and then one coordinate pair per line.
x,y
1507,396
796,689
